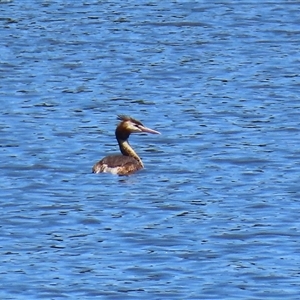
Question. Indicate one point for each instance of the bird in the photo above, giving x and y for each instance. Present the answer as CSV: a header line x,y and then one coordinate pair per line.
x,y
128,162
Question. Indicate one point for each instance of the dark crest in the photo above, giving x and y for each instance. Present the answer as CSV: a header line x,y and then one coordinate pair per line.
x,y
127,118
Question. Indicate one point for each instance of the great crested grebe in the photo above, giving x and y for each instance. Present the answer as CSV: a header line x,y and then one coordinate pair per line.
x,y
129,162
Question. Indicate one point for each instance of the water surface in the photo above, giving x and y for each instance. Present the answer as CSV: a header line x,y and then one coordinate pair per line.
x,y
214,215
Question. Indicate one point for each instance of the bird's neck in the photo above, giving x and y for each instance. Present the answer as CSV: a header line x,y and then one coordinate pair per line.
x,y
127,150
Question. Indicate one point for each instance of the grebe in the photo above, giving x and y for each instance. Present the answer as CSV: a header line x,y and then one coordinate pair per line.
x,y
129,162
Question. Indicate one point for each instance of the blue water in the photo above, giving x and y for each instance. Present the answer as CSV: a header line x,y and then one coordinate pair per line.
x,y
215,213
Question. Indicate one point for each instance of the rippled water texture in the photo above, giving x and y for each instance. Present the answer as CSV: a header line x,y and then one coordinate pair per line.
x,y
215,213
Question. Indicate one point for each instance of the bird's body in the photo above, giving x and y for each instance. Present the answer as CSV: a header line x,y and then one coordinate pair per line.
x,y
117,164
129,162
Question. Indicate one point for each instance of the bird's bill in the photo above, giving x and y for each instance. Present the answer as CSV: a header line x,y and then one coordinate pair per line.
x,y
149,130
